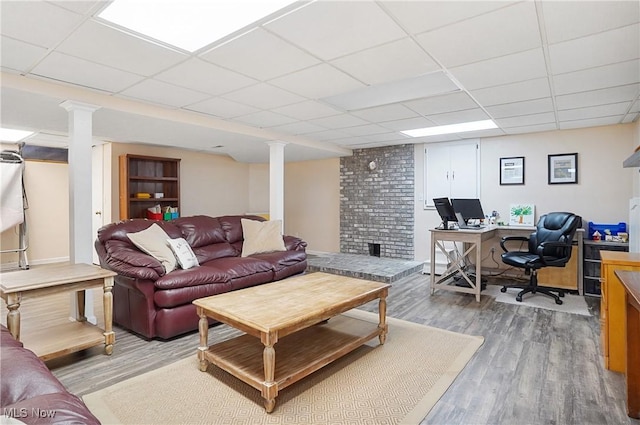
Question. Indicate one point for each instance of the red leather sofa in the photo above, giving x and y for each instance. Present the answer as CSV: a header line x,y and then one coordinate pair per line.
x,y
154,304
30,393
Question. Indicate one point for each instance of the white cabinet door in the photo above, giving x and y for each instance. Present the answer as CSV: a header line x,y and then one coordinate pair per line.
x,y
451,170
464,173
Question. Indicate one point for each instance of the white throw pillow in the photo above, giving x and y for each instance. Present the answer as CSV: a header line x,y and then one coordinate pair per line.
x,y
153,241
261,236
183,252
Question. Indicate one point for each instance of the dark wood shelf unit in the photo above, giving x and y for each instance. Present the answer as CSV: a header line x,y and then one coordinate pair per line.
x,y
148,174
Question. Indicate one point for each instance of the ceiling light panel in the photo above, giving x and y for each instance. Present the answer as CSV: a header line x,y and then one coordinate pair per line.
x,y
451,128
394,92
188,24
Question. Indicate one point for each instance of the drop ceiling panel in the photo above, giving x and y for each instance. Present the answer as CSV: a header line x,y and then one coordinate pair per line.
x,y
222,108
385,113
42,24
199,75
527,120
332,29
594,112
566,20
299,127
505,31
458,117
275,56
338,121
390,62
265,119
119,50
89,74
420,16
514,92
19,111
365,130
327,135
503,70
317,82
594,122
527,107
397,91
568,56
307,110
597,97
19,56
263,96
159,92
408,124
80,6
531,128
444,103
598,78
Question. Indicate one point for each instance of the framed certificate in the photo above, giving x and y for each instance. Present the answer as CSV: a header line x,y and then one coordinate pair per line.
x,y
512,170
563,168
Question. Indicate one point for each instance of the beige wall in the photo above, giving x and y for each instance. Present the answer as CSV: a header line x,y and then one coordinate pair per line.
x,y
601,195
209,184
312,203
47,187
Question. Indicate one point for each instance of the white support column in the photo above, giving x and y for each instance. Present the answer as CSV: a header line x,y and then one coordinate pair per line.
x,y
80,207
276,180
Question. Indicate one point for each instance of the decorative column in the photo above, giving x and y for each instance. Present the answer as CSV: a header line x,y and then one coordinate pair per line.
x,y
276,180
80,208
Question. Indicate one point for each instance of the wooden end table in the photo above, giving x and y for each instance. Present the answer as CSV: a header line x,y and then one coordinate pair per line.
x,y
292,313
53,279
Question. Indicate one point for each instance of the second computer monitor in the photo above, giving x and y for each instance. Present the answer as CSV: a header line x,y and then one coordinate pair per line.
x,y
469,208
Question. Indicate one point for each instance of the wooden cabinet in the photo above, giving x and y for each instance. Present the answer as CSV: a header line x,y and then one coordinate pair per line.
x,y
612,306
148,175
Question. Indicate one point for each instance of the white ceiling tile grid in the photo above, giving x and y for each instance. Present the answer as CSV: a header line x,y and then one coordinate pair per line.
x,y
333,74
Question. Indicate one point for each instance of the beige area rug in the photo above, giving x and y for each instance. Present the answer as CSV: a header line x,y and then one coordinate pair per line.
x,y
573,304
398,382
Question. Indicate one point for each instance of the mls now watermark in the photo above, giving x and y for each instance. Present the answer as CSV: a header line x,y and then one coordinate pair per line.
x,y
23,412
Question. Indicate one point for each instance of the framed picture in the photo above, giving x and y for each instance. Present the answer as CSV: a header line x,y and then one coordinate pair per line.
x,y
563,168
512,170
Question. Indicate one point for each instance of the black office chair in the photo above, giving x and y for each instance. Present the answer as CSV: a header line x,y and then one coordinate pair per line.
x,y
548,246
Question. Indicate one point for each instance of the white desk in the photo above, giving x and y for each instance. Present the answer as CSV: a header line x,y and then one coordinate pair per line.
x,y
472,241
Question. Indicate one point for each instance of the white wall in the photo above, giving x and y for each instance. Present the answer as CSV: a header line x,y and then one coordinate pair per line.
x,y
601,195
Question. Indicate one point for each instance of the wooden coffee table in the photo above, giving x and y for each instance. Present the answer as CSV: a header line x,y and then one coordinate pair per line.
x,y
289,312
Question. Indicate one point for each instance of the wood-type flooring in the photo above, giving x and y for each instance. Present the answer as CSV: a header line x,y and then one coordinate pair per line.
x,y
536,366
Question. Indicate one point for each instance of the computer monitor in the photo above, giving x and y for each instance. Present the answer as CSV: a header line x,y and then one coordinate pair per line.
x,y
445,209
469,208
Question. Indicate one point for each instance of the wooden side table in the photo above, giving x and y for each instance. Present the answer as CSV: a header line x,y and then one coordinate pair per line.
x,y
53,279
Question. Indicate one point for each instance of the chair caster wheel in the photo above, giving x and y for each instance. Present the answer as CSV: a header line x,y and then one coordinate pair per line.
x,y
559,302
503,289
518,298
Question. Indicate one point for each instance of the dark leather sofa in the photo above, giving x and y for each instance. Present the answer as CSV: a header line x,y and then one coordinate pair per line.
x,y
30,393
154,304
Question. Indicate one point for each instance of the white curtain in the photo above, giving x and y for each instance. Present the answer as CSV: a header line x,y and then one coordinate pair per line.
x,y
11,202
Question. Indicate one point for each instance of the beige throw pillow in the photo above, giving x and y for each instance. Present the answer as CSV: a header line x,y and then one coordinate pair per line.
x,y
153,241
261,236
183,252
